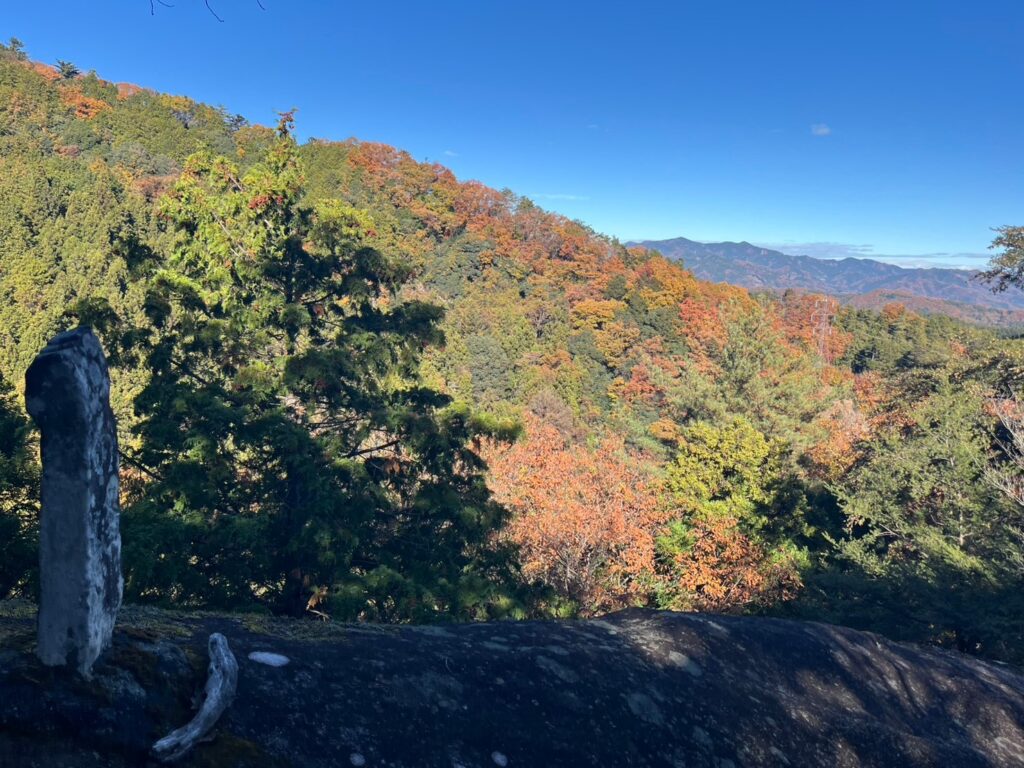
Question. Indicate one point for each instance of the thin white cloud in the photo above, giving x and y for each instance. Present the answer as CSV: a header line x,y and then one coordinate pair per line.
x,y
558,196
450,153
820,129
830,250
824,249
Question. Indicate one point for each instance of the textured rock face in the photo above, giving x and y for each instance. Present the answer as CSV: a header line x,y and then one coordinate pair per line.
x,y
67,392
637,688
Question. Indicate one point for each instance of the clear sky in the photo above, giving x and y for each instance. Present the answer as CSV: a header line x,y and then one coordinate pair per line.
x,y
832,127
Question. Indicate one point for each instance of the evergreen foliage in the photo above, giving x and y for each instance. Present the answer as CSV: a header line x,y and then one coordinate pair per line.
x,y
19,482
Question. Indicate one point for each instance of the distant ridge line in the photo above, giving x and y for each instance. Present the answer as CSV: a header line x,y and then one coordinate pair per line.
x,y
956,292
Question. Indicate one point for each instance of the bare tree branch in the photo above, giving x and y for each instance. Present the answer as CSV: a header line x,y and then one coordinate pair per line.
x,y
153,4
210,9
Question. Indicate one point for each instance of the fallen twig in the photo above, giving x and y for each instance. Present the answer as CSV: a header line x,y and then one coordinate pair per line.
x,y
217,696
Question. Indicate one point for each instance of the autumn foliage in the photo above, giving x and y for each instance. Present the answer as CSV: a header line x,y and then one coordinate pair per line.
x,y
85,107
595,526
721,570
585,519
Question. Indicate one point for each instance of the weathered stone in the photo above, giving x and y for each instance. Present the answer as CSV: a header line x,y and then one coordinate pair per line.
x,y
67,392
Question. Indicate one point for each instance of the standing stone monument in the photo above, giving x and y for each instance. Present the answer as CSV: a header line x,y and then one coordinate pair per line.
x,y
67,392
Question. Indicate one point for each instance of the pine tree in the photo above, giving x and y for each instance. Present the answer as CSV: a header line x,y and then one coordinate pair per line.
x,y
67,70
1007,267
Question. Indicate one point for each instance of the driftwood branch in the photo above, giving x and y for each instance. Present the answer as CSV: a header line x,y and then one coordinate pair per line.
x,y
217,696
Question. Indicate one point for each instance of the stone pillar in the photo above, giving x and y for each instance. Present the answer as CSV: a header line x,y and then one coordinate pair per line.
x,y
67,392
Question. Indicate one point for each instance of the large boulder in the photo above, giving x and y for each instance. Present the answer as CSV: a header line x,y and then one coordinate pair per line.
x,y
637,688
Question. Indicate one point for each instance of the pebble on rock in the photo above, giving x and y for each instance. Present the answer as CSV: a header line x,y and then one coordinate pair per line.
x,y
270,659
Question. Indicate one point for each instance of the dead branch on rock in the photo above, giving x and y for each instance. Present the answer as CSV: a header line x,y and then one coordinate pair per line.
x,y
217,696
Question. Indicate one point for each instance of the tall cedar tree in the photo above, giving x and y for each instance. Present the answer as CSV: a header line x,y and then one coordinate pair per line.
x,y
294,459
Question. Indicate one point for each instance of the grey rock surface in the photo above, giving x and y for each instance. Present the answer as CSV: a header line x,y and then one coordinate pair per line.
x,y
637,688
67,393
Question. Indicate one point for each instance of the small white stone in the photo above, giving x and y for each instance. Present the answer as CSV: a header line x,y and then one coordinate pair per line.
x,y
356,759
499,759
273,660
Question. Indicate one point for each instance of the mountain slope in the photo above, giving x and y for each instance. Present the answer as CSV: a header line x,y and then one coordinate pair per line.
x,y
755,268
635,371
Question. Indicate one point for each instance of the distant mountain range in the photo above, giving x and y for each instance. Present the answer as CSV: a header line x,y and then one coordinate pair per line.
x,y
862,282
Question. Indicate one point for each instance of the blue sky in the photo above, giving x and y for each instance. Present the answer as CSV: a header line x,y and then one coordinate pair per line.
x,y
828,127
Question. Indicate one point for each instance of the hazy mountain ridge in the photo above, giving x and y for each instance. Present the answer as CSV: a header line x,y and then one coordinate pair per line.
x,y
970,313
757,268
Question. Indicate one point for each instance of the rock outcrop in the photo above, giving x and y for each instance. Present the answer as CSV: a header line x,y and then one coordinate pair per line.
x,y
637,688
67,392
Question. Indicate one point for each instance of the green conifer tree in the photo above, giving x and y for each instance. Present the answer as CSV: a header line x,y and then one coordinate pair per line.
x,y
293,458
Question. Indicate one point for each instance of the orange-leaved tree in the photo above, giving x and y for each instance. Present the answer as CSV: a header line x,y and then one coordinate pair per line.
x,y
585,519
710,564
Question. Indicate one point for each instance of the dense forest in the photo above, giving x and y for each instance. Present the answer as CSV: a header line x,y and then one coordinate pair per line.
x,y
350,385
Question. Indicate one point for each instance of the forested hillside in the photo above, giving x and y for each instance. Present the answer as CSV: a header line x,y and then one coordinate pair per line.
x,y
316,348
